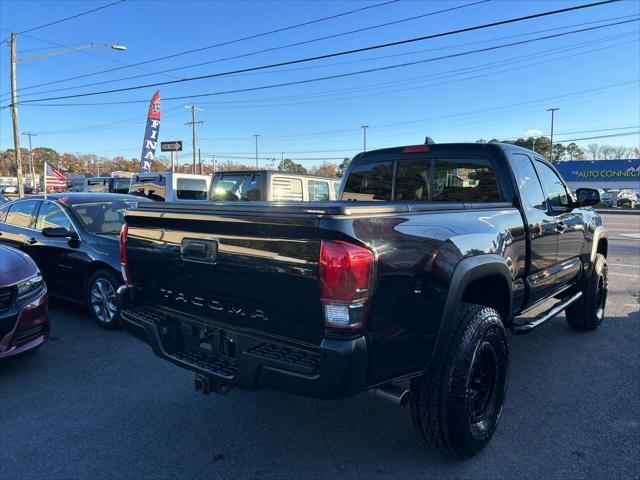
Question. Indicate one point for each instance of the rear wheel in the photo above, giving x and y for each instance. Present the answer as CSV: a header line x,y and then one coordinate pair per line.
x,y
456,409
101,297
587,312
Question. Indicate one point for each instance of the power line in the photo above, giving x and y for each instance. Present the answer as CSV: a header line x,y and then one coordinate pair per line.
x,y
70,18
266,50
601,136
333,94
299,82
225,43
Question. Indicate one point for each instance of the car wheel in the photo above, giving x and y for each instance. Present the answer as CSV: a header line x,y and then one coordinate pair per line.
x,y
101,297
456,409
587,312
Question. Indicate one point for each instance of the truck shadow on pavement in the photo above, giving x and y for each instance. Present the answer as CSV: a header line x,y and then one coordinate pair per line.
x,y
99,404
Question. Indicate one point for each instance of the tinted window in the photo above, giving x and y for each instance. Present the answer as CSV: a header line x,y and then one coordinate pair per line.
x,y
154,188
121,185
413,180
236,187
318,190
460,180
371,181
50,215
528,184
286,189
21,213
553,186
191,189
103,217
97,185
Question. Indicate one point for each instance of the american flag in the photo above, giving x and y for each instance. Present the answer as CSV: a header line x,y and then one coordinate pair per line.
x,y
55,178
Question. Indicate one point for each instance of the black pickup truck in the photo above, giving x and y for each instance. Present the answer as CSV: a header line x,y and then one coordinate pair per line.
x,y
404,287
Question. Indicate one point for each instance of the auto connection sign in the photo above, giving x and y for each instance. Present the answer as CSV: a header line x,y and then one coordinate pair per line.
x,y
599,170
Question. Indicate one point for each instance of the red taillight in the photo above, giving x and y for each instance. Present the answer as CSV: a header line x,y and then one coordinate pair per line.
x,y
124,266
416,149
346,274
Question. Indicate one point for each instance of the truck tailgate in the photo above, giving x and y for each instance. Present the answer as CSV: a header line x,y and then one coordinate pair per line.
x,y
245,270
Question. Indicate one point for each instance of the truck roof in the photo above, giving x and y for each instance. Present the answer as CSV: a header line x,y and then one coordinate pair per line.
x,y
278,172
435,149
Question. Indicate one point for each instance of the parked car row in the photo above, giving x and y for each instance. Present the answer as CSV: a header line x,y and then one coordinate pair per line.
x,y
73,240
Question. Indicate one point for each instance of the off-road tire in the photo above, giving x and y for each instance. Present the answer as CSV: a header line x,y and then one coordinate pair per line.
x,y
444,404
111,284
587,312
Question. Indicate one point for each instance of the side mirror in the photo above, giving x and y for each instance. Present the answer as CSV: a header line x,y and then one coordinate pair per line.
x,y
587,197
59,232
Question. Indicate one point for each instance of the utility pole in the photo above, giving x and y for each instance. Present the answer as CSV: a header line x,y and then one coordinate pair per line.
x,y
33,173
256,137
14,115
534,144
213,161
364,131
199,163
552,110
193,124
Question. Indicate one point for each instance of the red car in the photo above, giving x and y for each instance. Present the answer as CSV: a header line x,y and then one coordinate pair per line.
x,y
24,315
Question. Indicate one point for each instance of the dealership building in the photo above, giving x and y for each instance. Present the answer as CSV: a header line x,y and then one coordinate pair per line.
x,y
614,174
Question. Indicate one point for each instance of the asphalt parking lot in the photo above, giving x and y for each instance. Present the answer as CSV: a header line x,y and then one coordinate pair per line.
x,y
98,404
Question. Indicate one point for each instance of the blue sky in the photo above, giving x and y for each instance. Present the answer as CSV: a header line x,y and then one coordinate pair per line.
x,y
592,76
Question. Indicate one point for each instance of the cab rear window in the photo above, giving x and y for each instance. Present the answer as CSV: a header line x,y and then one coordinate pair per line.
x,y
425,179
154,188
370,181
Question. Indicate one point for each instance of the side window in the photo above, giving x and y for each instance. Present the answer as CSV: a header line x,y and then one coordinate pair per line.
x,y
21,213
556,192
528,184
318,191
191,189
50,215
413,180
370,181
461,180
287,189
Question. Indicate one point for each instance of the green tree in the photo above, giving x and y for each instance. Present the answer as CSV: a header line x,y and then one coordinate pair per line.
x,y
574,152
342,167
290,166
558,152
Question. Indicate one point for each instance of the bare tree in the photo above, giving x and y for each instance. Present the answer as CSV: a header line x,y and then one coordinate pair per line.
x,y
593,150
621,151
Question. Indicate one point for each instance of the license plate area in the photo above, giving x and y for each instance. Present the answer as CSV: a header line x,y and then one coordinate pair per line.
x,y
211,341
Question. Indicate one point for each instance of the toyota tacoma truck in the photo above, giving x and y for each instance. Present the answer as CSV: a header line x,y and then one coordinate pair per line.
x,y
406,286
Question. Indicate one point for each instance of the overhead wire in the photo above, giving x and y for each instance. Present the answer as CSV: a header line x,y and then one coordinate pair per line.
x,y
352,51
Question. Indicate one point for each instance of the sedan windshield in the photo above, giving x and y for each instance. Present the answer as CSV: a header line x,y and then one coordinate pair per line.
x,y
105,217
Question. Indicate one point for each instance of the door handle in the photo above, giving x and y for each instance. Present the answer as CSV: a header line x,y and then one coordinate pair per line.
x,y
31,241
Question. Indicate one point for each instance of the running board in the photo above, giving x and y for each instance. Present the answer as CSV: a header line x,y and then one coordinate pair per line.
x,y
544,316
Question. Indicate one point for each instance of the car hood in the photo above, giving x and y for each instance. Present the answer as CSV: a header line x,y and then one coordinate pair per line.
x,y
15,266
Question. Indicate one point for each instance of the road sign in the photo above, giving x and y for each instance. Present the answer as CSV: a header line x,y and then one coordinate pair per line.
x,y
173,146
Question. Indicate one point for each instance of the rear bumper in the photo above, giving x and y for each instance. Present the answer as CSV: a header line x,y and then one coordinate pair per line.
x,y
336,369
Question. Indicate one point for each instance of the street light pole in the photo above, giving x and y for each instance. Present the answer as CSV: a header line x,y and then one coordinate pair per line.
x,y
534,144
552,110
33,173
14,95
14,115
364,131
256,137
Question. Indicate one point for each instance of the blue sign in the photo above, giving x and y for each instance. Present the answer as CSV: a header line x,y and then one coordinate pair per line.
x,y
599,170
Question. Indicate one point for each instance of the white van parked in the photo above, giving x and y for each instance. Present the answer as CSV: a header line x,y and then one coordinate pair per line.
x,y
170,187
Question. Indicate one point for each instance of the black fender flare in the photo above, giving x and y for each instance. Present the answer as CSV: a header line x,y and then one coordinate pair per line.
x,y
466,272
